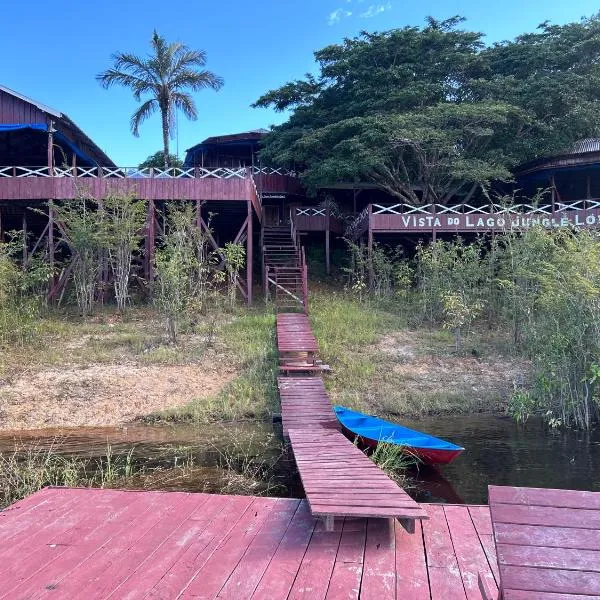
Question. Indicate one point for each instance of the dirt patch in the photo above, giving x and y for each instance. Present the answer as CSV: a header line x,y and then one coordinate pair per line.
x,y
430,377
103,394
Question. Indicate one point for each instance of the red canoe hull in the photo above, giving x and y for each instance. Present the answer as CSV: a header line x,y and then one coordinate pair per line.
x,y
425,455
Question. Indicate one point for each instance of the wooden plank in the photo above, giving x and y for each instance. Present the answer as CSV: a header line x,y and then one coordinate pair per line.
x,y
549,558
347,463
151,570
442,567
550,580
201,549
312,580
379,574
546,497
123,555
546,541
209,580
279,576
248,572
468,550
412,580
80,563
553,537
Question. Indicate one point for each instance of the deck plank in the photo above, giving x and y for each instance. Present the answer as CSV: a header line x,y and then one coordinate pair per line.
x,y
379,575
412,580
83,562
470,555
247,574
314,575
346,463
442,566
546,541
159,545
202,548
279,576
213,575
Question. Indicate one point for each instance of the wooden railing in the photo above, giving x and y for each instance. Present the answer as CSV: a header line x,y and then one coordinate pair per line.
x,y
466,217
126,172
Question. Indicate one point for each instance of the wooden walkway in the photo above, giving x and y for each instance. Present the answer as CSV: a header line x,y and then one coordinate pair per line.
x,y
98,544
340,481
548,543
296,344
332,469
305,404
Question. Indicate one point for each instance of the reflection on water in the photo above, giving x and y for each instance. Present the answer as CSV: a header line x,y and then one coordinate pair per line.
x,y
228,458
497,451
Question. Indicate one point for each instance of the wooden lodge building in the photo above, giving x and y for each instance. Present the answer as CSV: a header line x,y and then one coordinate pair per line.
x,y
45,156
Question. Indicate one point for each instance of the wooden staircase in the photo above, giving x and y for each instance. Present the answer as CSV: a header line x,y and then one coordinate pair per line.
x,y
284,269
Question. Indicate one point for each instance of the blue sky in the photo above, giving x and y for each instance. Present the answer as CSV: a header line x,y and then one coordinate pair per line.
x,y
52,52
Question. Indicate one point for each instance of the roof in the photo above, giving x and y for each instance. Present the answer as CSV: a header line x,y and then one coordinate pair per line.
x,y
583,153
42,107
67,124
232,138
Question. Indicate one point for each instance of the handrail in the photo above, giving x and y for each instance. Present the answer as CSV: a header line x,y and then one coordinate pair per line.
x,y
141,173
304,268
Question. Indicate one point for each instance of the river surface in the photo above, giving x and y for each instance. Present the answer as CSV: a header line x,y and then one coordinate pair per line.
x,y
497,451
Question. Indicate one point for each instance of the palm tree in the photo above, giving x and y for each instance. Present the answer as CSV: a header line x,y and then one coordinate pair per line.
x,y
165,74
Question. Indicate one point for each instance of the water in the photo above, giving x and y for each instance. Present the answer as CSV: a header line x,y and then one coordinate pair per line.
x,y
497,451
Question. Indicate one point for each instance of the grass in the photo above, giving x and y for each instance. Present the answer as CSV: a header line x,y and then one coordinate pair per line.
x,y
240,464
26,471
249,338
382,364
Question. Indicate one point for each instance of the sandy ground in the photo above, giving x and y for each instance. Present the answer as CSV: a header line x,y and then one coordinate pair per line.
x,y
102,394
488,381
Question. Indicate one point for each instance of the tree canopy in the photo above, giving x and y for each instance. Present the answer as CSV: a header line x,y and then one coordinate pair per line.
x,y
157,161
428,113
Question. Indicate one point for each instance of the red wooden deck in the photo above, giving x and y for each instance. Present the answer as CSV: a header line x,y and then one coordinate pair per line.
x,y
92,544
305,404
548,543
340,480
294,333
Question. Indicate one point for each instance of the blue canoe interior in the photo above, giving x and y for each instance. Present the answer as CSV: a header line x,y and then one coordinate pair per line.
x,y
372,430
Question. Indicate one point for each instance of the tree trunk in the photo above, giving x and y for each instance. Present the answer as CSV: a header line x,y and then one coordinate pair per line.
x,y
165,132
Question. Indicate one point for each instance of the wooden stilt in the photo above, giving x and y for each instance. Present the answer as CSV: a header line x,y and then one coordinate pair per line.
x,y
327,255
1,227
150,244
370,247
24,237
51,251
249,255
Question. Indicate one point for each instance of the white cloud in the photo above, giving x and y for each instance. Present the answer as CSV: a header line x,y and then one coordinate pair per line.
x,y
376,9
337,15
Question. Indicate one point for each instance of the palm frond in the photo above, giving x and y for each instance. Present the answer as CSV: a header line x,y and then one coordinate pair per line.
x,y
196,80
184,58
141,114
186,104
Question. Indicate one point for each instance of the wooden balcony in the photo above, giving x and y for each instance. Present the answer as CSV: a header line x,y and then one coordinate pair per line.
x,y
197,184
316,219
464,218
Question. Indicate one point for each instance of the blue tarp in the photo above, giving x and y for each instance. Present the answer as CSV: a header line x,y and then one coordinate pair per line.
x,y
58,136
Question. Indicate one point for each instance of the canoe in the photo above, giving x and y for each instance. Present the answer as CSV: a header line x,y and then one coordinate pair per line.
x,y
371,430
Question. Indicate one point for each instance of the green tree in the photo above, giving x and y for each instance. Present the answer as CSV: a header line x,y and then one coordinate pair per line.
x,y
431,113
164,75
157,161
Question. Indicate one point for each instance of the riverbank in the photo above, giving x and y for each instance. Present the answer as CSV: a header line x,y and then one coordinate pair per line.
x,y
384,365
110,370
